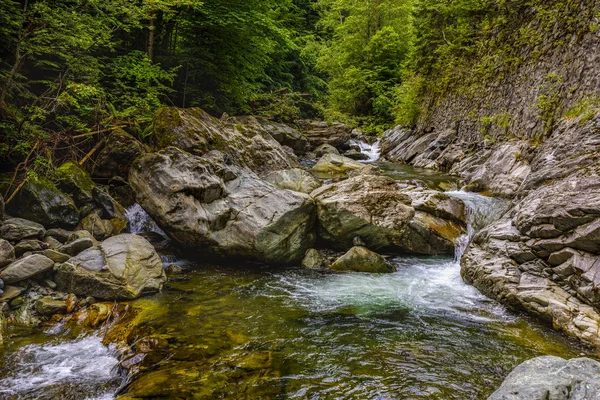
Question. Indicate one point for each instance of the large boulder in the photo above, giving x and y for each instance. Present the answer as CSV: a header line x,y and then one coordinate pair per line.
x,y
41,201
361,259
295,179
122,267
383,216
195,131
119,152
204,204
284,134
26,268
552,378
336,164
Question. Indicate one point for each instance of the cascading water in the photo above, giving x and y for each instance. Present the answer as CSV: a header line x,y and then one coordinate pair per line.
x,y
373,151
79,369
140,221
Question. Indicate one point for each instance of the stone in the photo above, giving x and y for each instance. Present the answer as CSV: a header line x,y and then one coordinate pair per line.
x,y
61,235
7,253
74,180
325,149
361,259
356,155
56,256
122,267
10,292
295,179
284,134
117,155
382,215
314,260
335,134
48,306
98,227
41,201
28,245
16,229
50,284
109,206
203,203
553,378
26,268
195,131
77,246
335,164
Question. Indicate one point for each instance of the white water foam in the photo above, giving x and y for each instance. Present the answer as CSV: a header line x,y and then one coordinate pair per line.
x,y
140,221
373,151
83,362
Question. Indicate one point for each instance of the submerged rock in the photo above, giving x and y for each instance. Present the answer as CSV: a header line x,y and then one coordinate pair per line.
x,y
122,267
553,378
295,179
361,259
195,131
204,204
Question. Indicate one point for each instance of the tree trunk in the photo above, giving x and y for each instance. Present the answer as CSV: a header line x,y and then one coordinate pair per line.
x,y
151,26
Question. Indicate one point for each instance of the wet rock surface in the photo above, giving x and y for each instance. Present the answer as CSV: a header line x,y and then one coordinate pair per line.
x,y
361,259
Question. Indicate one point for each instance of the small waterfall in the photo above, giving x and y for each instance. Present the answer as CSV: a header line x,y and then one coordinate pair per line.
x,y
82,368
373,151
481,211
140,221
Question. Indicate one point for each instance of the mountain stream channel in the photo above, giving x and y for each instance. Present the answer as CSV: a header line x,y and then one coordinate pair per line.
x,y
253,332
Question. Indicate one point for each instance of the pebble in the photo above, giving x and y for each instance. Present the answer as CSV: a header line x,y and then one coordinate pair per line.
x,y
17,302
50,283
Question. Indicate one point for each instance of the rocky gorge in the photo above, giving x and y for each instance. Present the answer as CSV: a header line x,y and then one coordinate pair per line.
x,y
241,190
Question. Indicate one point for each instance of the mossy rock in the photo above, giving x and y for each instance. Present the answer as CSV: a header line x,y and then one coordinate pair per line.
x,y
75,181
117,156
41,201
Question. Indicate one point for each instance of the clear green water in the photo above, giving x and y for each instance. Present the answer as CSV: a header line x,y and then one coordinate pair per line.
x,y
235,333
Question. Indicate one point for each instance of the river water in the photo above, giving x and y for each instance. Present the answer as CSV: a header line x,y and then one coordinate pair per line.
x,y
250,332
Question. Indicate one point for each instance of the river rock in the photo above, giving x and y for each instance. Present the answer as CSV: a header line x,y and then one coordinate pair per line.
x,y
553,378
356,155
203,203
313,259
284,134
377,211
41,201
56,256
10,292
26,268
361,259
326,149
29,245
195,131
61,235
77,246
98,227
16,229
335,164
7,253
48,306
122,267
75,181
295,179
117,155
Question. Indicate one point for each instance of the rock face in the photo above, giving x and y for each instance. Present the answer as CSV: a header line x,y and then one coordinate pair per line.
x,y
203,203
295,179
119,152
122,267
361,259
383,216
284,134
41,201
544,256
553,378
195,131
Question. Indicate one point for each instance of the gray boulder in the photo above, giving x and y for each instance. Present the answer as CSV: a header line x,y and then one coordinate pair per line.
x,y
7,253
195,131
295,179
26,268
76,246
203,203
361,259
382,215
122,267
16,229
552,378
284,134
326,149
313,259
